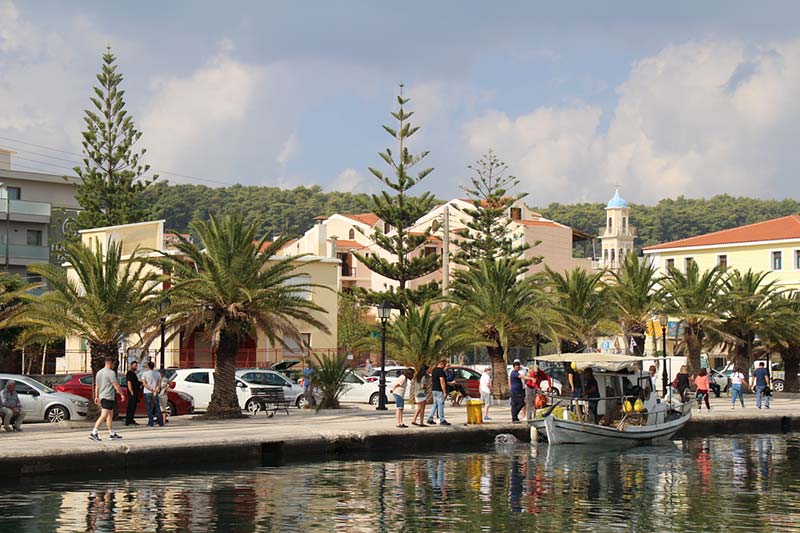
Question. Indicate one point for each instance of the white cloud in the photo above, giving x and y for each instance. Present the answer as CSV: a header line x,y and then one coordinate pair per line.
x,y
350,180
699,119
289,149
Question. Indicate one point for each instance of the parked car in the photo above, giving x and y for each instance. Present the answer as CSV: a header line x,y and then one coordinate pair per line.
x,y
40,402
179,403
359,390
392,373
469,379
199,383
291,391
289,368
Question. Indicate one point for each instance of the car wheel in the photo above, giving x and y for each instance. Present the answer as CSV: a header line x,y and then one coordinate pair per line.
x,y
557,392
301,402
171,409
252,407
56,413
777,385
373,400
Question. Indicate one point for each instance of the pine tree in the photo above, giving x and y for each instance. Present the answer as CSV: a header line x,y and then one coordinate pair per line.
x,y
112,183
400,211
487,234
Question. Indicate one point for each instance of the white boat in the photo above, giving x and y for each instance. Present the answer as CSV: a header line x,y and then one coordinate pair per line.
x,y
659,419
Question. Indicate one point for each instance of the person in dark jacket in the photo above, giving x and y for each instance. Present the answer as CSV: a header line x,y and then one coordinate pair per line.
x,y
134,390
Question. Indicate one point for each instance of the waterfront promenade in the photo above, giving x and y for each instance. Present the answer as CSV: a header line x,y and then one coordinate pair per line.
x,y
305,435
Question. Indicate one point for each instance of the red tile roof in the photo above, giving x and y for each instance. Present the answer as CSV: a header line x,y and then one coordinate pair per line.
x,y
548,223
776,229
340,243
370,219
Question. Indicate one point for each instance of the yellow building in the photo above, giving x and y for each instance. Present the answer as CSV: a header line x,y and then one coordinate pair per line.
x,y
195,351
772,245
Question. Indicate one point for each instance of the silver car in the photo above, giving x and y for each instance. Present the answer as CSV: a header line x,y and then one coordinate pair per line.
x,y
292,391
40,402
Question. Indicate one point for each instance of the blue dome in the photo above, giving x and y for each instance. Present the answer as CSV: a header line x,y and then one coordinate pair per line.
x,y
617,201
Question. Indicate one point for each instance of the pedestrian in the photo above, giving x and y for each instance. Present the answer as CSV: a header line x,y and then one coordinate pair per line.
x,y
134,387
106,390
517,392
592,391
439,388
574,378
420,389
151,380
533,388
308,382
368,368
399,392
485,389
163,399
682,383
11,411
701,382
761,381
653,379
737,380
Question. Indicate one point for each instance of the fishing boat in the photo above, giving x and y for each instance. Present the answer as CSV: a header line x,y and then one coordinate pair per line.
x,y
629,412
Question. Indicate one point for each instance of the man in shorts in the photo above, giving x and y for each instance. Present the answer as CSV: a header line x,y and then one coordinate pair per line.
x,y
106,388
486,391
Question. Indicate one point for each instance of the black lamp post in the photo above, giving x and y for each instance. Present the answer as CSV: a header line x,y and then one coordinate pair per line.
x,y
384,311
664,375
162,307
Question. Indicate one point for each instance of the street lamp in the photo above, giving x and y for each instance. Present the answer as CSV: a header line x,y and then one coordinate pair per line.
x,y
662,318
163,305
384,311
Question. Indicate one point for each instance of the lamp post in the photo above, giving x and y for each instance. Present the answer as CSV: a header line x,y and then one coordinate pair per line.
x,y
662,318
384,311
163,305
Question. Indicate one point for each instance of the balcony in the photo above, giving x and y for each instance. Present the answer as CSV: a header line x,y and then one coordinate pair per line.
x,y
21,254
25,211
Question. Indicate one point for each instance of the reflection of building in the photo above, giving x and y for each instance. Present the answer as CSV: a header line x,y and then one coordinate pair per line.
x,y
195,351
32,207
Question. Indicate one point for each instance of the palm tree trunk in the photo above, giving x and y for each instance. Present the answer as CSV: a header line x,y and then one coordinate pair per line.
x,y
742,357
224,401
694,347
499,371
791,365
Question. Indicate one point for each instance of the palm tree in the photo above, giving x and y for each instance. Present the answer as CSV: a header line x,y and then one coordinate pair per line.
x,y
494,302
634,298
784,339
694,298
752,309
109,298
582,302
229,287
424,335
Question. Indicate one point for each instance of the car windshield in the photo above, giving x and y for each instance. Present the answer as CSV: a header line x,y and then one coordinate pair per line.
x,y
41,387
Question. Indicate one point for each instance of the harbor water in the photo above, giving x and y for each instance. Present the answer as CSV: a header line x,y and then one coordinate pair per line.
x,y
747,483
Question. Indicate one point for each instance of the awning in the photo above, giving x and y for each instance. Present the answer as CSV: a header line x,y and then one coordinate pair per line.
x,y
607,361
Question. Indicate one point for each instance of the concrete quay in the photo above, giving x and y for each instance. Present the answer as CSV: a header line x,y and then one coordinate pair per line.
x,y
45,449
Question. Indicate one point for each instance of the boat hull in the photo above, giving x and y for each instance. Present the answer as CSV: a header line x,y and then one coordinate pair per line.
x,y
561,431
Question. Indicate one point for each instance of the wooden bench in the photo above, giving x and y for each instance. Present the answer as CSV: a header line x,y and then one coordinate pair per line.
x,y
270,400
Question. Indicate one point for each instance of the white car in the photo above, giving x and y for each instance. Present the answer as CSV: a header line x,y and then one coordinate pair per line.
x,y
359,390
392,373
291,391
40,402
199,383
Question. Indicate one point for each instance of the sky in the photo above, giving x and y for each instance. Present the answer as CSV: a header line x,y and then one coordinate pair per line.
x,y
659,99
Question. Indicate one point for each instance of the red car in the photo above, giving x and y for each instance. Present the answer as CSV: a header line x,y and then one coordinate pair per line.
x,y
180,403
469,379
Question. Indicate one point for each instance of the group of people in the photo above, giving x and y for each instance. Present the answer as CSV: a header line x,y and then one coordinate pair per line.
x,y
525,388
107,389
760,382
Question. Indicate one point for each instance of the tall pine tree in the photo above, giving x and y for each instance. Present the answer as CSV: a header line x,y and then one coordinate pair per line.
x,y
112,177
400,211
488,231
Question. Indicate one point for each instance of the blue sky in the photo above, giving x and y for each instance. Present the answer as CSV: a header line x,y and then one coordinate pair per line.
x,y
693,98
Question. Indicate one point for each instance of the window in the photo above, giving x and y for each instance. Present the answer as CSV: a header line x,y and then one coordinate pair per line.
x,y
24,388
351,234
516,213
722,261
610,225
797,259
670,264
14,193
386,227
624,224
429,250
605,256
777,260
198,377
34,237
88,380
687,262
352,378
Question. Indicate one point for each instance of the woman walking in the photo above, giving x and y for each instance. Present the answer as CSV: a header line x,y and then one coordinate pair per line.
x,y
421,386
701,382
682,383
399,393
737,381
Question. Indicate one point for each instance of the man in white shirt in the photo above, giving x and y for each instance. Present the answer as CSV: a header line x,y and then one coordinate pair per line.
x,y
151,382
486,391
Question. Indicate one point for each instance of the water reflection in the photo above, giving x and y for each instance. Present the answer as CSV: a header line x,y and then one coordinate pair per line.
x,y
699,485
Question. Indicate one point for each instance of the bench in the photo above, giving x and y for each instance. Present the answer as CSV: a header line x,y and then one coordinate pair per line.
x,y
270,400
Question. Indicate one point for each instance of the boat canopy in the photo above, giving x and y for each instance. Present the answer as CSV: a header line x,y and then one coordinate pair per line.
x,y
610,362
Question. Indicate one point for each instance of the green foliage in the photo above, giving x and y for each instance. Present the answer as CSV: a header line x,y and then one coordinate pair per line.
x,y
112,181
228,290
330,371
633,295
425,335
353,329
488,229
401,211
672,219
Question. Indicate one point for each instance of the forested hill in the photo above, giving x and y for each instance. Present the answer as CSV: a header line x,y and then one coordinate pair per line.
x,y
293,210
678,218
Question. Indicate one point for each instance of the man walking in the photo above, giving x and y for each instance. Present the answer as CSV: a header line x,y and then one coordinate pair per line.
x,y
439,388
11,408
133,385
106,389
517,392
151,381
761,381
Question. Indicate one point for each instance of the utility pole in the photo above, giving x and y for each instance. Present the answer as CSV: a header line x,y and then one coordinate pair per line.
x,y
445,249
